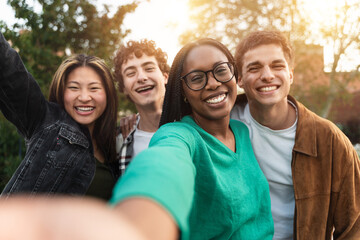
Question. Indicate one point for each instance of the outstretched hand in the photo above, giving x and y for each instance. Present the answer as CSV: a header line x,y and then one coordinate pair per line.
x,y
127,124
63,218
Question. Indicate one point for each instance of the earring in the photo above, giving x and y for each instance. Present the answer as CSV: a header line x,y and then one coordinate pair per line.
x,y
185,100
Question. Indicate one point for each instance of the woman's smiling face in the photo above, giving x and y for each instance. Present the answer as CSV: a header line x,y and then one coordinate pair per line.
x,y
84,96
216,99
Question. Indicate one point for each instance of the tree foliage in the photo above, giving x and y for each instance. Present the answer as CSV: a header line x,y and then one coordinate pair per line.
x,y
64,27
343,35
44,38
229,21
11,150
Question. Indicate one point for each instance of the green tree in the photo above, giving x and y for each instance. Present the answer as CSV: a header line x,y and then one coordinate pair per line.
x,y
342,33
44,38
11,150
64,26
228,21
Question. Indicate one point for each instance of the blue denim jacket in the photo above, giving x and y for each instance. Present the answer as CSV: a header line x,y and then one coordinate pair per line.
x,y
59,156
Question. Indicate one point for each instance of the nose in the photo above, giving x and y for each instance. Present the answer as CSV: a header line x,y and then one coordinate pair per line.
x,y
267,75
84,96
142,76
212,83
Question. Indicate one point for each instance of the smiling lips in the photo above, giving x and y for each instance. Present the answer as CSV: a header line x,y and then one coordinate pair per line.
x,y
216,99
142,89
84,109
267,88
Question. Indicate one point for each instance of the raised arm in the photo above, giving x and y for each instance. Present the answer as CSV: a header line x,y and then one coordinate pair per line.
x,y
156,192
149,218
54,218
21,100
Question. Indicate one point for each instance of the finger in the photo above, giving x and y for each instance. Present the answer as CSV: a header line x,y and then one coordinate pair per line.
x,y
124,128
133,120
122,123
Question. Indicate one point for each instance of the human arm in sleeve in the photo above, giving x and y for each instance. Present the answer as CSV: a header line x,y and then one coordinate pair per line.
x,y
151,219
347,212
157,189
21,99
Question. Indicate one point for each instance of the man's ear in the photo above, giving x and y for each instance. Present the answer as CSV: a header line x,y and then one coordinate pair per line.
x,y
166,75
240,83
291,76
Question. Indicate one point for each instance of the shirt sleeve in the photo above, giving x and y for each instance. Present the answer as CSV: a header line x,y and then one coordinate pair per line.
x,y
21,99
347,213
164,173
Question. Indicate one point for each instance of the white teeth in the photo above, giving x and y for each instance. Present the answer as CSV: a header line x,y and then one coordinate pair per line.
x,y
84,109
216,99
267,89
144,88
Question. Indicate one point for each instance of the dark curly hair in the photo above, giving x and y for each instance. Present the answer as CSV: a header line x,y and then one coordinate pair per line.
x,y
258,38
138,48
174,107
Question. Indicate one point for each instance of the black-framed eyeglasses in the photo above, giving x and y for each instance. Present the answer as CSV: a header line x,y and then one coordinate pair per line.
x,y
196,80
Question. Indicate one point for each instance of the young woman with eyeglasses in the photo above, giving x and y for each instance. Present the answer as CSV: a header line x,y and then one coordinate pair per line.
x,y
199,178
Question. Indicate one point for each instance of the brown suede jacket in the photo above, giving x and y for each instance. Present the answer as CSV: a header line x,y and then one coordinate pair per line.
x,y
326,178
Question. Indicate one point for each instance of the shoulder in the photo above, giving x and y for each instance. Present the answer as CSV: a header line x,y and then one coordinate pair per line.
x,y
241,132
182,133
239,126
238,109
307,118
311,119
179,129
325,131
53,114
237,112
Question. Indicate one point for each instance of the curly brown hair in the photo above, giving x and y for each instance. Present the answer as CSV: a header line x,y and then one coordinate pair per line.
x,y
138,48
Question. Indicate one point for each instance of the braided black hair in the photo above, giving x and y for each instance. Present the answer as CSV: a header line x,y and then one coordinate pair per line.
x,y
174,106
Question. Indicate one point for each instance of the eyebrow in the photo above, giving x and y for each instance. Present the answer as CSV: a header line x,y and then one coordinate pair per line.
x,y
76,82
73,81
216,63
253,64
142,65
93,83
259,63
278,61
148,63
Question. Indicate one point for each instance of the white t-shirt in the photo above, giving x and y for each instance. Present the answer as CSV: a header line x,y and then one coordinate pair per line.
x,y
273,151
141,140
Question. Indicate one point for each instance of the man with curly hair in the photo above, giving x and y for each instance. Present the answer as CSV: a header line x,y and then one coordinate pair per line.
x,y
141,70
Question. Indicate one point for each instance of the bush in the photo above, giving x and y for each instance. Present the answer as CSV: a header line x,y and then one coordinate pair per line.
x,y
357,148
352,130
12,150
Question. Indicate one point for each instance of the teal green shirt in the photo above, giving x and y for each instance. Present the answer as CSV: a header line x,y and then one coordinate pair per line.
x,y
211,191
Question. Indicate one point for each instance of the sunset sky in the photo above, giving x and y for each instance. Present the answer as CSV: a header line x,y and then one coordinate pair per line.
x,y
159,20
164,20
